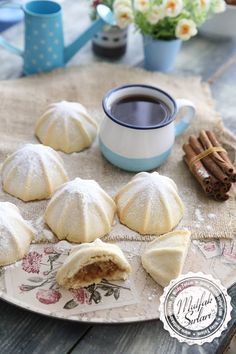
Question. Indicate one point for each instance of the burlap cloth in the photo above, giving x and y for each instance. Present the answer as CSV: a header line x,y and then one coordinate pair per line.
x,y
23,100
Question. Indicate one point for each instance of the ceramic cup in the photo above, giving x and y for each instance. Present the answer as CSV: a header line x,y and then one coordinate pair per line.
x,y
141,148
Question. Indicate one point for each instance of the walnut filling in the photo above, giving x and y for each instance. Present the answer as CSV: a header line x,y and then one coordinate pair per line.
x,y
100,269
94,273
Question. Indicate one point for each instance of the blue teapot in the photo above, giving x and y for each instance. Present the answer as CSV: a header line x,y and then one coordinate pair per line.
x,y
44,42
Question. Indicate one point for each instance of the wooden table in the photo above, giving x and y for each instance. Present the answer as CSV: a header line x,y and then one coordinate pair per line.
x,y
25,332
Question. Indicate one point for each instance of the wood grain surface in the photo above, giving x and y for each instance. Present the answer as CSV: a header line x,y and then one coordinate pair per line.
x,y
24,332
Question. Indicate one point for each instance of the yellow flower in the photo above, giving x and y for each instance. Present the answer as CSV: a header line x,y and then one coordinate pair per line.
x,y
123,12
118,3
155,15
185,29
173,7
219,6
123,16
141,5
204,5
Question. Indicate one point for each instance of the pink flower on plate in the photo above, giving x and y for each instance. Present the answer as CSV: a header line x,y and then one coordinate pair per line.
x,y
80,295
31,262
24,287
210,246
49,250
48,297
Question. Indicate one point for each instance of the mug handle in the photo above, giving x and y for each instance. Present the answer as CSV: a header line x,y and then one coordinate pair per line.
x,y
3,42
183,124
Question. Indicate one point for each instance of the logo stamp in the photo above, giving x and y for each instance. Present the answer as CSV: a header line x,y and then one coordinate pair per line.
x,y
195,308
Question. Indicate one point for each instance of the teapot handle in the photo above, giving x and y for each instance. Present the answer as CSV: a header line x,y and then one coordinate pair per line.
x,y
3,42
183,124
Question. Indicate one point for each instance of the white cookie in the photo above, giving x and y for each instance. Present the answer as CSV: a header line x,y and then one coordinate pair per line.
x,y
33,172
80,211
90,263
66,126
15,234
164,257
149,204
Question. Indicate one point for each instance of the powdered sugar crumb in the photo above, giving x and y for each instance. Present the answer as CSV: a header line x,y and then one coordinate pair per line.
x,y
39,221
42,234
199,215
49,236
62,246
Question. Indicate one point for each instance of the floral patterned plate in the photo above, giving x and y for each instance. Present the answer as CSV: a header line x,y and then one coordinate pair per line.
x,y
31,284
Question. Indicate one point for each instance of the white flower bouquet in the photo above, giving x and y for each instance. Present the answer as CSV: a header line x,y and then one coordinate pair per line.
x,y
168,22
170,19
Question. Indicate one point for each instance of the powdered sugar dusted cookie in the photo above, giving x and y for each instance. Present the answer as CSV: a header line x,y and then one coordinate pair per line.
x,y
90,263
66,126
33,172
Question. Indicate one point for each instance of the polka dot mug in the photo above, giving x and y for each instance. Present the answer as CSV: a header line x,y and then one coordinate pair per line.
x,y
44,43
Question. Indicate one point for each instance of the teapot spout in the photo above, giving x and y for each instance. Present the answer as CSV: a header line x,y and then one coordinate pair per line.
x,y
83,38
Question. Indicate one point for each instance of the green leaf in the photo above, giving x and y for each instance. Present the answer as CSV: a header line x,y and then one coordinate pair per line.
x,y
90,288
35,279
109,292
117,293
53,258
25,287
103,287
96,297
71,304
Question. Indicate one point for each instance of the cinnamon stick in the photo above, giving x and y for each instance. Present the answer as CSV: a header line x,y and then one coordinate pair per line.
x,y
206,187
209,164
216,185
198,166
223,155
225,188
198,170
222,163
215,172
221,197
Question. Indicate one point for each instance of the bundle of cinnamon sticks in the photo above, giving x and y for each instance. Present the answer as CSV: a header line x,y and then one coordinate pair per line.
x,y
210,165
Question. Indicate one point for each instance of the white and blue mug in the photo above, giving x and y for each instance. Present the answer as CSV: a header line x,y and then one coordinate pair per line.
x,y
135,147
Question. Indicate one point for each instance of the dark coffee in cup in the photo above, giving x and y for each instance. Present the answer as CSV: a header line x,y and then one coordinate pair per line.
x,y
138,131
140,111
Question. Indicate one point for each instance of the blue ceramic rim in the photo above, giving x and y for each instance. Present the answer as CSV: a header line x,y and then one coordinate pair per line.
x,y
37,14
170,119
